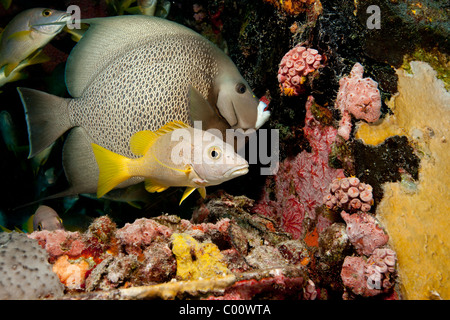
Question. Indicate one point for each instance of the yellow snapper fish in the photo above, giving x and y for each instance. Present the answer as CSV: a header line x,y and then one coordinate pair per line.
x,y
17,74
200,159
27,32
135,73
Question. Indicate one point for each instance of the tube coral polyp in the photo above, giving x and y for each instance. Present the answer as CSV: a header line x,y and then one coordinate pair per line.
x,y
294,68
349,194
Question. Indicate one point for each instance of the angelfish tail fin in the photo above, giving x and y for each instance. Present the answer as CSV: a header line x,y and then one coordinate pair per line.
x,y
47,118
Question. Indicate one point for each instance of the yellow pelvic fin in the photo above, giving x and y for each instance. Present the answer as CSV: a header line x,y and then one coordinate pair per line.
x,y
5,229
150,186
113,169
202,192
20,35
37,57
9,68
189,190
141,141
186,193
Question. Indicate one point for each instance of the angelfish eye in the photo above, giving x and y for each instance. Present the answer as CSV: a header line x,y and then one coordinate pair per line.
x,y
214,153
241,88
47,13
39,227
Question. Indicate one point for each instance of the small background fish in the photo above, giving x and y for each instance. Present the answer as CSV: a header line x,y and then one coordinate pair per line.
x,y
28,32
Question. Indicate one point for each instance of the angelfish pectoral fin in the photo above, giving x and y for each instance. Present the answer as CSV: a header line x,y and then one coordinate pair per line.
x,y
189,190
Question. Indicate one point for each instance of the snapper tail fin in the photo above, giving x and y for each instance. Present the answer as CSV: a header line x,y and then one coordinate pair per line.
x,y
113,169
47,118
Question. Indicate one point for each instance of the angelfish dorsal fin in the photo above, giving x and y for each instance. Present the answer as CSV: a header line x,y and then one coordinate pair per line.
x,y
141,141
109,38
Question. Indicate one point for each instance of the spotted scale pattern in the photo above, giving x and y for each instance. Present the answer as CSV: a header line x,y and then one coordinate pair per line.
x,y
144,89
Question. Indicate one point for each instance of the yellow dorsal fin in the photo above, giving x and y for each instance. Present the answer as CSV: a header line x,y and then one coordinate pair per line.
x,y
150,186
113,169
141,141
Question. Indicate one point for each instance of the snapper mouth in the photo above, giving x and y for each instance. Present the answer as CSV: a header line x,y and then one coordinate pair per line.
x,y
236,171
61,22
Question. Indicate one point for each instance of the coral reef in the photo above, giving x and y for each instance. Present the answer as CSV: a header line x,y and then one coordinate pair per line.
x,y
225,252
372,276
301,183
24,270
364,232
71,273
359,97
295,66
352,213
292,7
150,253
349,194
197,261
60,242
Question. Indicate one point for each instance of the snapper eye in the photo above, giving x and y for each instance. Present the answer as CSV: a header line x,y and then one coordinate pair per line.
x,y
214,153
47,13
241,88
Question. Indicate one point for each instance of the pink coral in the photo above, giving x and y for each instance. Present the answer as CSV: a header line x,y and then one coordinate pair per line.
x,y
353,276
140,233
364,232
295,66
357,96
293,214
349,194
310,291
380,268
372,276
59,242
301,182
